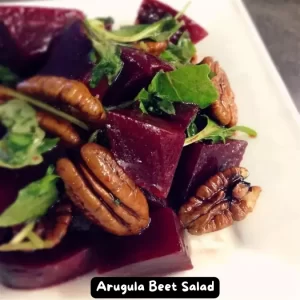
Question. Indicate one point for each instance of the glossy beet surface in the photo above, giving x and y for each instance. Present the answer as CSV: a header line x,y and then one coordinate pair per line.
x,y
159,250
138,70
45,268
32,29
153,10
146,147
199,162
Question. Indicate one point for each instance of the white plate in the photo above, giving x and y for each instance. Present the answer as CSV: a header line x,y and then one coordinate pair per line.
x,y
258,258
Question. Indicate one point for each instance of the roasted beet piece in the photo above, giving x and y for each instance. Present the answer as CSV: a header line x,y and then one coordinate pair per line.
x,y
152,11
70,54
44,268
138,70
199,162
70,58
159,250
32,29
146,147
185,113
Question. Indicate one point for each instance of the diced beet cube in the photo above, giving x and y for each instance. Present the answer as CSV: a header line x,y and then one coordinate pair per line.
x,y
199,162
138,70
159,250
70,259
146,147
10,55
32,29
70,58
185,113
70,54
152,11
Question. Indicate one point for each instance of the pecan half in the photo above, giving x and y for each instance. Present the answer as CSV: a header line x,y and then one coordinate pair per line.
x,y
224,198
60,128
54,226
65,91
154,48
105,194
224,109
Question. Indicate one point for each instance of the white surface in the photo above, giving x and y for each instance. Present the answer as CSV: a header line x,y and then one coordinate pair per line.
x,y
258,258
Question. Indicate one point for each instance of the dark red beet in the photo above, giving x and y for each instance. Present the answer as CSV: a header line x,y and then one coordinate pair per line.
x,y
185,113
9,53
69,58
152,11
138,70
146,147
27,34
32,29
49,267
199,162
159,250
70,54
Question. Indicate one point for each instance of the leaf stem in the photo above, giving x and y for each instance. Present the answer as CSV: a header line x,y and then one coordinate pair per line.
x,y
182,12
36,240
44,106
19,237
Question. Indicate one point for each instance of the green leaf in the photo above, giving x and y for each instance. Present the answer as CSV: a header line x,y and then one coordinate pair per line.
x,y
159,31
7,77
32,202
181,53
149,103
110,63
24,141
188,84
48,145
215,133
40,104
166,106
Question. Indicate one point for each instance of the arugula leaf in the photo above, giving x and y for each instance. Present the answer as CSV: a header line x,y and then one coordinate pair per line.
x,y
158,31
152,104
188,84
110,63
181,53
24,141
215,133
7,77
47,145
12,93
33,201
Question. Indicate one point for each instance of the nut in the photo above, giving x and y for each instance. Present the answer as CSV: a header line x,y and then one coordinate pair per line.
x,y
154,48
224,109
54,226
62,91
105,194
60,128
224,198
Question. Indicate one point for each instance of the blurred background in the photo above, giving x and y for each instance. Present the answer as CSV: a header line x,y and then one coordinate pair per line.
x,y
278,22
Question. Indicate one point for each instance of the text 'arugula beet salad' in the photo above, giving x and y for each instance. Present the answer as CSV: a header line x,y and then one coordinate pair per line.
x,y
113,142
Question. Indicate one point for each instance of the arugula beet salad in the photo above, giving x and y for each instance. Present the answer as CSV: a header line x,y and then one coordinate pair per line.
x,y
116,145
